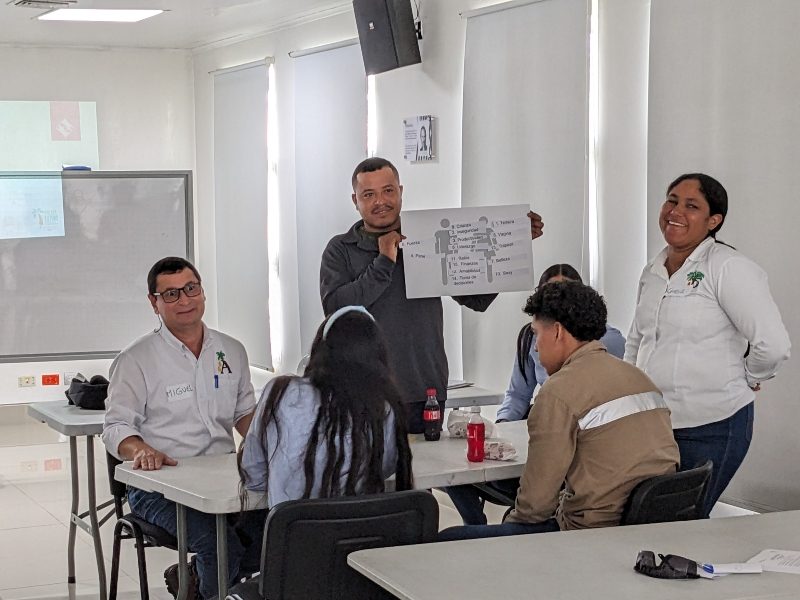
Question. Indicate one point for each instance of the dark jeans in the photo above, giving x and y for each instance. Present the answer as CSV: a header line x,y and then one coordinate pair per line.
x,y
244,538
469,502
469,532
725,442
414,420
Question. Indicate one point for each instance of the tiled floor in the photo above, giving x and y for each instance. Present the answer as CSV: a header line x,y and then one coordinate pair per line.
x,y
34,518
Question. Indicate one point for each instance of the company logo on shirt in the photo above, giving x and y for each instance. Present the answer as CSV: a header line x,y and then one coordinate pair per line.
x,y
181,390
694,278
222,364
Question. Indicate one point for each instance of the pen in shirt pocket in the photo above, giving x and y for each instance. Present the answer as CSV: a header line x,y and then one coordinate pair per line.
x,y
216,381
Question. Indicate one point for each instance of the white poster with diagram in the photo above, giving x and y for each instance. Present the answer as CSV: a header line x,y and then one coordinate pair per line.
x,y
464,251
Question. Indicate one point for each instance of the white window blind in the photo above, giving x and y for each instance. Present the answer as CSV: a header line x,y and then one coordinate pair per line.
x,y
723,99
240,207
330,140
525,141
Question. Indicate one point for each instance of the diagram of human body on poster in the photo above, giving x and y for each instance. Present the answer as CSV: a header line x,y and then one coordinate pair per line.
x,y
463,251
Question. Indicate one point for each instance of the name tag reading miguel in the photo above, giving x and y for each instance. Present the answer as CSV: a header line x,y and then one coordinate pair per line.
x,y
180,391
464,251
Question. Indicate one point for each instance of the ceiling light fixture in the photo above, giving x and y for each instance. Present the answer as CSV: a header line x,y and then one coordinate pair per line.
x,y
99,15
41,4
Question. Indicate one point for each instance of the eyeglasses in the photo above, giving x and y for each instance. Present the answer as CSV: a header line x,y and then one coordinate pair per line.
x,y
191,290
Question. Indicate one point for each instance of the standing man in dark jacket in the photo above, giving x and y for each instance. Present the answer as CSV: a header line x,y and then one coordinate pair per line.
x,y
365,266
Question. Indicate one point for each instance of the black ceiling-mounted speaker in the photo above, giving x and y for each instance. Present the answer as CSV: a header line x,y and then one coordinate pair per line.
x,y
387,34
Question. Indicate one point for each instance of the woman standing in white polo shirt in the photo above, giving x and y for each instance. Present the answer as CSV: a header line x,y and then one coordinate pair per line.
x,y
706,330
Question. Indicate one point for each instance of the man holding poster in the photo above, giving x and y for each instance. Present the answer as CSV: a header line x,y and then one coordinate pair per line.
x,y
364,266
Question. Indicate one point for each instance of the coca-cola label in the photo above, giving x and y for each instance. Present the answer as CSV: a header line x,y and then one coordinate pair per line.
x,y
430,414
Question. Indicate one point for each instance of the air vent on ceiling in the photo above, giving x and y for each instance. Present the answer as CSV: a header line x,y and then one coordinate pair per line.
x,y
43,4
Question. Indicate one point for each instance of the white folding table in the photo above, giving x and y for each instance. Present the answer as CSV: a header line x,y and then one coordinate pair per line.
x,y
472,396
592,563
74,422
210,483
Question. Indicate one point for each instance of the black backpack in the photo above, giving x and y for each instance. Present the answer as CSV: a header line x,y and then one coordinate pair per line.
x,y
90,394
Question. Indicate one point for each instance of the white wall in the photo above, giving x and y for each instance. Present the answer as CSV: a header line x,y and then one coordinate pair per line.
x,y
145,121
175,92
622,154
276,45
434,87
144,98
733,113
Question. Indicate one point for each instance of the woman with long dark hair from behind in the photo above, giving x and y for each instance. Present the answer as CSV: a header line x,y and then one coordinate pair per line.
x,y
334,431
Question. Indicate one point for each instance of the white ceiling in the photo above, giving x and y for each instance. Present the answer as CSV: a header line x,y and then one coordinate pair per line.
x,y
188,24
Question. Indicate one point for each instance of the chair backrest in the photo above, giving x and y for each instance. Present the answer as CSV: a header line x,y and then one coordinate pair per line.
x,y
306,542
673,497
118,489
301,366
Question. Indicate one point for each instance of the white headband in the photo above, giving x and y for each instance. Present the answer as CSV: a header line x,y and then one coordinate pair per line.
x,y
339,313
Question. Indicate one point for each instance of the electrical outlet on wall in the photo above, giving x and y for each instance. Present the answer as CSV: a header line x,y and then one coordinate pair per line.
x,y
50,379
26,381
53,464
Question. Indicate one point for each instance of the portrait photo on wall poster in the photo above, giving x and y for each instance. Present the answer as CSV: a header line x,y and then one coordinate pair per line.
x,y
419,138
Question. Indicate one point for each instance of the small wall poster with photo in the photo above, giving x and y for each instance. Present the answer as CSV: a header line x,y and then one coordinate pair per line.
x,y
419,138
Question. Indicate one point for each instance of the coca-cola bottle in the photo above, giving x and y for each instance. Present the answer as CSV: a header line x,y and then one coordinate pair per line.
x,y
432,416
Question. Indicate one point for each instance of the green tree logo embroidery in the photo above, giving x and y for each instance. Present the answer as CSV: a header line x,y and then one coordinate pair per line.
x,y
694,278
222,364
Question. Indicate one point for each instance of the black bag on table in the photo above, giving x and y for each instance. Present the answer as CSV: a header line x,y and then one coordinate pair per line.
x,y
90,394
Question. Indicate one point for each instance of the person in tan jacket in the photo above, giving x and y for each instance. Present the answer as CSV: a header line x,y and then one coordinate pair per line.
x,y
597,427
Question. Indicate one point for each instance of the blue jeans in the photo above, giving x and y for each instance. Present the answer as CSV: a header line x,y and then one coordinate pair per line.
x,y
244,538
725,442
469,532
469,503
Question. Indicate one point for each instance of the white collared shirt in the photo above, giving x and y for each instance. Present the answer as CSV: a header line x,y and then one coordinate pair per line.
x,y
691,331
177,403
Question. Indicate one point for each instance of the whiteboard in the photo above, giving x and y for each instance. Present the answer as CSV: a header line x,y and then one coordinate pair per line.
x,y
83,294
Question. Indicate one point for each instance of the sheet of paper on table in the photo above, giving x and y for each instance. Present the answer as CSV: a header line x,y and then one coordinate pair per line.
x,y
780,561
455,384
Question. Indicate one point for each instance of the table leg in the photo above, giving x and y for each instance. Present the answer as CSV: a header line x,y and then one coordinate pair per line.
x,y
73,462
98,544
183,567
222,555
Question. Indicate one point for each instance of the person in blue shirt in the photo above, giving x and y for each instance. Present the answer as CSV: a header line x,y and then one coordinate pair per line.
x,y
527,374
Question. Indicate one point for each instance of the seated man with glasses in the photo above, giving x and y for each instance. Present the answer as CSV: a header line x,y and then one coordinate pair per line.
x,y
175,393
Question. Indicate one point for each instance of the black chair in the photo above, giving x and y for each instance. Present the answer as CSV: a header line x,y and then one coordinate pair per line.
x,y
306,543
128,527
674,497
493,495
